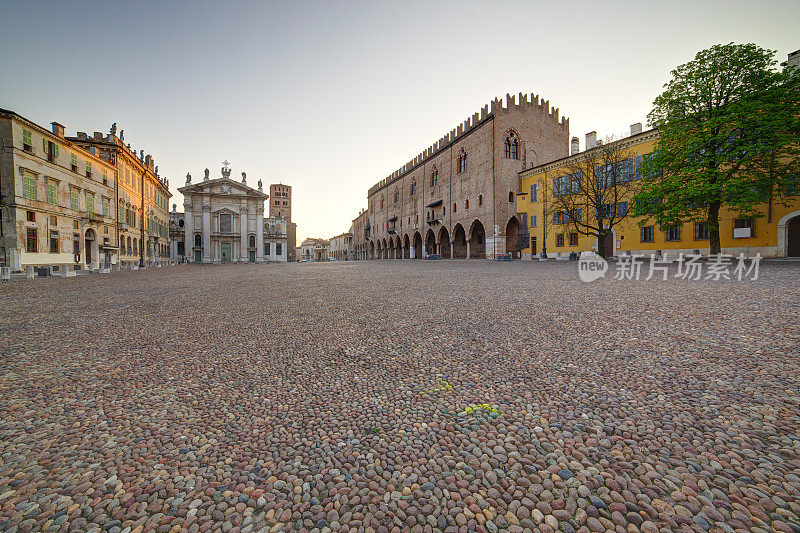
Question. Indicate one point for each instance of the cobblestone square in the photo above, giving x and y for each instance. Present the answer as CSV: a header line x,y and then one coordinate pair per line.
x,y
399,396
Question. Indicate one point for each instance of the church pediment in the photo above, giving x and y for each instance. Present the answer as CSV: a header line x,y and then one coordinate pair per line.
x,y
222,187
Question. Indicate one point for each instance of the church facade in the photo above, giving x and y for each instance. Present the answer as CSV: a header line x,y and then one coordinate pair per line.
x,y
223,219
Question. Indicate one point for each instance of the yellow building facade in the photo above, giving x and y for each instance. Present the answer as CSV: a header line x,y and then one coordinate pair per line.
x,y
776,234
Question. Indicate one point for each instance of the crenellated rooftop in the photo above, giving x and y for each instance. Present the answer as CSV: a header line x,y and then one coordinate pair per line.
x,y
495,107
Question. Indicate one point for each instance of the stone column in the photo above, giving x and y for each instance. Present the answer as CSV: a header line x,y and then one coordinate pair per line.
x,y
188,234
468,251
260,234
207,233
243,254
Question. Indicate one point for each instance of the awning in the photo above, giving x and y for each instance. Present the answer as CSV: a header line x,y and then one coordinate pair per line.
x,y
366,226
392,219
434,204
108,247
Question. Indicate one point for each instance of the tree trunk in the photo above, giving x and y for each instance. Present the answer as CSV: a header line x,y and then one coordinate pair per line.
x,y
713,228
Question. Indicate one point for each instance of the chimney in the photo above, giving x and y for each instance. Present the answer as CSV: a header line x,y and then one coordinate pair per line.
x,y
82,135
98,136
575,146
636,128
58,129
591,140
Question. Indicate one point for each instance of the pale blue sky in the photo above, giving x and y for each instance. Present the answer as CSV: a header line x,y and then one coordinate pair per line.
x,y
331,97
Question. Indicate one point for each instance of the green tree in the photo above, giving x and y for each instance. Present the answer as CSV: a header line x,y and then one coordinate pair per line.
x,y
728,137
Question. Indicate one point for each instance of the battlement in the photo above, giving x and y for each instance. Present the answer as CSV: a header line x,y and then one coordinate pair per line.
x,y
516,103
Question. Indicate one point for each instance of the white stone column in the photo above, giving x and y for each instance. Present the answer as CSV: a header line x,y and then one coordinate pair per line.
x,y
243,246
207,233
188,235
260,234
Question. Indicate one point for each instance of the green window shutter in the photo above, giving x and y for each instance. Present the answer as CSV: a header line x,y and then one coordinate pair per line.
x,y
76,206
88,166
75,160
52,194
29,188
89,206
44,145
26,137
55,148
105,207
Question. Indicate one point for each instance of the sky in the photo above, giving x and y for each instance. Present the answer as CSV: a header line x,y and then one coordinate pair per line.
x,y
331,97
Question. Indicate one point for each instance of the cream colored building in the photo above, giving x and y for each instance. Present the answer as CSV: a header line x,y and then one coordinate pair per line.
x,y
340,248
57,199
142,198
223,219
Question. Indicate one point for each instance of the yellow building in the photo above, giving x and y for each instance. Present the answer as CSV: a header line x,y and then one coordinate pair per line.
x,y
776,234
142,199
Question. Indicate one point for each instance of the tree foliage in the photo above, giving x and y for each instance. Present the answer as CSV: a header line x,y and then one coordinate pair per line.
x,y
728,137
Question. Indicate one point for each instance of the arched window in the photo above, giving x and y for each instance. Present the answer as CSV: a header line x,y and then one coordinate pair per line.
x,y
122,247
444,210
510,196
462,161
198,240
381,201
413,188
396,195
512,146
130,249
434,176
480,199
466,203
135,246
252,241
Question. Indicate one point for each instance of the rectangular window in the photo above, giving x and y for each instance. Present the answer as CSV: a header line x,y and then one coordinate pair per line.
x,y
32,244
673,234
534,192
573,239
29,187
105,207
52,193
30,216
701,232
533,221
560,239
744,228
89,206
75,202
105,176
278,248
225,223
88,169
53,242
622,209
648,234
74,163
27,143
53,220
268,248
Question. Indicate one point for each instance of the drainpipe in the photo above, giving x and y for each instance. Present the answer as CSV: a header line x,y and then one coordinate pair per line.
x,y
141,222
494,201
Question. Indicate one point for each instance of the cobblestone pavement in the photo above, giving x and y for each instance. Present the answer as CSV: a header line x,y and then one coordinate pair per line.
x,y
396,396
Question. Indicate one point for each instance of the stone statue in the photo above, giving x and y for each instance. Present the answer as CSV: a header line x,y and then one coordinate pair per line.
x,y
121,135
113,129
259,185
188,178
244,177
156,172
205,176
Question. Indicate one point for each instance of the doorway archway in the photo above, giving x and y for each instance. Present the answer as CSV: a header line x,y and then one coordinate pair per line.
x,y
459,242
512,235
417,245
477,240
444,243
